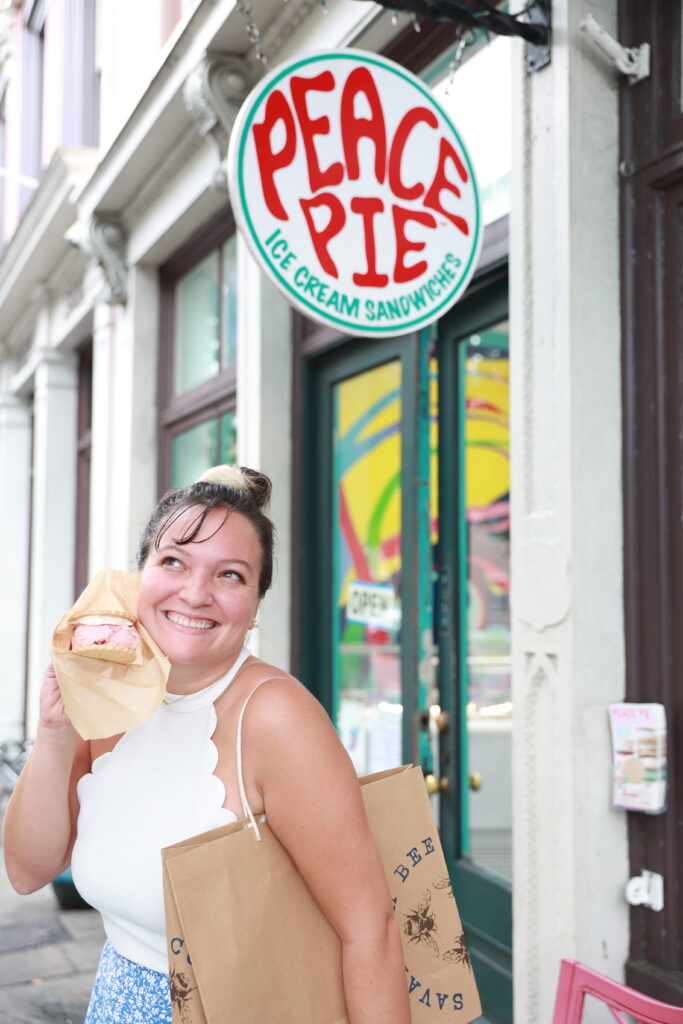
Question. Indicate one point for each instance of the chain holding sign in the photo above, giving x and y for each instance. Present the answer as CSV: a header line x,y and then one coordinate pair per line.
x,y
355,193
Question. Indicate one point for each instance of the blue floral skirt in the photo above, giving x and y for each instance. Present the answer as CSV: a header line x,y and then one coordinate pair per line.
x,y
126,993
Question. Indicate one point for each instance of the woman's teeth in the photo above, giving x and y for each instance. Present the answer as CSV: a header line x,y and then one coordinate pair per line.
x,y
189,623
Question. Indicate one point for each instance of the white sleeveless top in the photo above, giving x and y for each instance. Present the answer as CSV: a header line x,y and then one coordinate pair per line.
x,y
155,788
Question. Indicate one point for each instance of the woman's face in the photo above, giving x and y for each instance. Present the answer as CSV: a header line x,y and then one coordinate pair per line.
x,y
198,600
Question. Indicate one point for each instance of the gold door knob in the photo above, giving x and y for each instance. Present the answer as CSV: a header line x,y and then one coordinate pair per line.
x,y
435,785
443,721
476,781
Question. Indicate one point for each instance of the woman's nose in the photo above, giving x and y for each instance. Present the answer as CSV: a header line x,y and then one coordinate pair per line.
x,y
196,590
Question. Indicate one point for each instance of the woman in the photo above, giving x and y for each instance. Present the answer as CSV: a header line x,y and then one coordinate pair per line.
x,y
109,806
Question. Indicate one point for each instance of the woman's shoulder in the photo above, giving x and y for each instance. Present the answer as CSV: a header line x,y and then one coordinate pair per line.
x,y
267,685
279,703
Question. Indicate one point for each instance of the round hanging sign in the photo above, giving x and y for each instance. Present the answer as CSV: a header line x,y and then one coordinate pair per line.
x,y
355,192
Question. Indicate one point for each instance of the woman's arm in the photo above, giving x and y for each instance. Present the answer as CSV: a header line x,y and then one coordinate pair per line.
x,y
40,820
314,806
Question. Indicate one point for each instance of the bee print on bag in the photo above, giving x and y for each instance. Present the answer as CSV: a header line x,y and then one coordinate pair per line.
x,y
459,954
444,883
181,995
420,925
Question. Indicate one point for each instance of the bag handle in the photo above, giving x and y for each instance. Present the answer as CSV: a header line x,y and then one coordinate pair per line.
x,y
248,813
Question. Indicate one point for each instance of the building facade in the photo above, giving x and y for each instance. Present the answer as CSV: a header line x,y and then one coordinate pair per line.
x,y
509,480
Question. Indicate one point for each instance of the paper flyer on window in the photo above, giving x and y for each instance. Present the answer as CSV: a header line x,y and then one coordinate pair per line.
x,y
639,757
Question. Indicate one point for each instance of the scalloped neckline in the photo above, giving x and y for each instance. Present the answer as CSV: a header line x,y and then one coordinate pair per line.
x,y
207,695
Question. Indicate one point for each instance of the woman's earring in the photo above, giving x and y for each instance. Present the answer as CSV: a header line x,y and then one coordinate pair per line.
x,y
254,623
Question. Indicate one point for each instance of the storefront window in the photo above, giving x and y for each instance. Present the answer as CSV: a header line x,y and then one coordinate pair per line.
x,y
205,319
196,351
198,357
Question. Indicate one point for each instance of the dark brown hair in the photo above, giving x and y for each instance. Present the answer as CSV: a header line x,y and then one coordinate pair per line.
x,y
205,496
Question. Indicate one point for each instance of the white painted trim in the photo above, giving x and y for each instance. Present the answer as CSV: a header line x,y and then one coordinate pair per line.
x,y
570,847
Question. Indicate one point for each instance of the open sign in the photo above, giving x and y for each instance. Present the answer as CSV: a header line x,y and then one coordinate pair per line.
x,y
355,193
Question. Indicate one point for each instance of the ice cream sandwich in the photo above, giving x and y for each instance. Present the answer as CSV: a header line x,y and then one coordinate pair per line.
x,y
106,637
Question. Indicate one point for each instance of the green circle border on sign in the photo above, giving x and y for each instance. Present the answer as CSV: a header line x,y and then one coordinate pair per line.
x,y
299,299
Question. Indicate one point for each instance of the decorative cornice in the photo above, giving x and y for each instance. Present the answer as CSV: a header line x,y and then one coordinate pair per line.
x,y
104,241
213,94
283,26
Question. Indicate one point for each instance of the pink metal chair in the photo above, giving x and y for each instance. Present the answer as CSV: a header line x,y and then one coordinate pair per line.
x,y
577,981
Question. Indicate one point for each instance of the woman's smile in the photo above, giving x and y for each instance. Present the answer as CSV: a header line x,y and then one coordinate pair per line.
x,y
182,620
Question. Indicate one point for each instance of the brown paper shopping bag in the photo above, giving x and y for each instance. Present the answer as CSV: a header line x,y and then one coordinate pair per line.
x,y
248,944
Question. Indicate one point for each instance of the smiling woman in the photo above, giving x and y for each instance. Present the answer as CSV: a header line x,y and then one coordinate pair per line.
x,y
110,806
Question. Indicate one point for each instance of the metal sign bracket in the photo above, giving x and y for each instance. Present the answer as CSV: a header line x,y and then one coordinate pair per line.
x,y
538,54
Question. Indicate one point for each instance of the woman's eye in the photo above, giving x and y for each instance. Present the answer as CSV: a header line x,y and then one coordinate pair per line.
x,y
171,562
232,574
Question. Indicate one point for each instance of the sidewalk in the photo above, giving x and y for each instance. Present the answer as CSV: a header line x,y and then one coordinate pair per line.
x,y
48,958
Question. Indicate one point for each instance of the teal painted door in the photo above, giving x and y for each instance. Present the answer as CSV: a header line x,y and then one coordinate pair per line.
x,y
405,572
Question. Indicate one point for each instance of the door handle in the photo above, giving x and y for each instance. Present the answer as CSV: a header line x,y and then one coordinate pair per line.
x,y
442,720
476,781
436,785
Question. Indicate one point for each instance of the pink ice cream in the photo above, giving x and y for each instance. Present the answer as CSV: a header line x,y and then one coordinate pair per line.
x,y
117,636
105,637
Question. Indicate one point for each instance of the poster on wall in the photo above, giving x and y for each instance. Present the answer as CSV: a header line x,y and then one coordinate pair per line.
x,y
639,757
355,193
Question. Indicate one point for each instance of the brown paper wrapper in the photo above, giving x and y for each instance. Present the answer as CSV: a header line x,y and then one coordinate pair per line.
x,y
103,698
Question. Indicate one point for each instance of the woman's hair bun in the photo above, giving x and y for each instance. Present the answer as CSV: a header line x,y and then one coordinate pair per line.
x,y
225,476
240,478
260,486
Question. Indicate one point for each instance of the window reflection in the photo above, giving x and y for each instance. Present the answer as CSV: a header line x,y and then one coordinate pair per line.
x,y
196,355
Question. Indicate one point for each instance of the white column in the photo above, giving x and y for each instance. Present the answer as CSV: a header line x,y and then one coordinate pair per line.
x,y
570,847
264,441
123,474
53,511
138,459
15,519
104,422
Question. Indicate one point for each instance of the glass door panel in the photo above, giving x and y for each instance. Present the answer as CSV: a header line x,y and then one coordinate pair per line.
x,y
487,651
366,566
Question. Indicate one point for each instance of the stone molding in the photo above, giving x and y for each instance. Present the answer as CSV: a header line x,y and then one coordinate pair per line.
x,y
104,241
213,94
